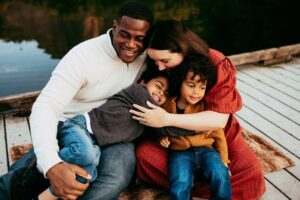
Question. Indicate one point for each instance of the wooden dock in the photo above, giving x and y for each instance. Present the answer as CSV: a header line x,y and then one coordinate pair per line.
x,y
271,97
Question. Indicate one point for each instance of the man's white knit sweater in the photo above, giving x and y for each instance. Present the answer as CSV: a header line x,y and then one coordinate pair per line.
x,y
86,76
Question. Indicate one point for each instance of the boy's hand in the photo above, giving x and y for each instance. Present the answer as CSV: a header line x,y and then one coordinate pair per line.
x,y
207,133
229,172
165,142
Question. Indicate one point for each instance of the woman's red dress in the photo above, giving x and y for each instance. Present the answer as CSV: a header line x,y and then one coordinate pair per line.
x,y
247,178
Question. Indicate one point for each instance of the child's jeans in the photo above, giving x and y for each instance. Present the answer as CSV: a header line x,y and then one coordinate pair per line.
x,y
78,146
184,166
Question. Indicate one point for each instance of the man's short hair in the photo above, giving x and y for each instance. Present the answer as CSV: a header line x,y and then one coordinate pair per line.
x,y
135,10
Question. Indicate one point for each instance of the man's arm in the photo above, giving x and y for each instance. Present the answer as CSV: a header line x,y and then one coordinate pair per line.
x,y
66,80
64,83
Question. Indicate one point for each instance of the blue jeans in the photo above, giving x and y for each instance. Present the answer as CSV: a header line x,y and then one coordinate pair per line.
x,y
184,166
114,171
78,146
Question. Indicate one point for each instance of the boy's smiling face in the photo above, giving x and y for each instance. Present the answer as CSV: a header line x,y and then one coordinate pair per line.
x,y
192,90
157,88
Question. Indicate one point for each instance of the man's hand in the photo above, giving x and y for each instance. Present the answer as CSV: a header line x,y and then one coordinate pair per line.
x,y
62,177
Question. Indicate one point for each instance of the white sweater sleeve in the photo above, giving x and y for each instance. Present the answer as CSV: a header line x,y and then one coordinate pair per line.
x,y
66,80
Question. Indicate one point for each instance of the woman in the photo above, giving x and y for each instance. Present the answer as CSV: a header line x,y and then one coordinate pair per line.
x,y
170,43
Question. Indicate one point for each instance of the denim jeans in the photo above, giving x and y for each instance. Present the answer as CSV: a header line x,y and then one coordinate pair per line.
x,y
78,146
114,173
115,168
184,166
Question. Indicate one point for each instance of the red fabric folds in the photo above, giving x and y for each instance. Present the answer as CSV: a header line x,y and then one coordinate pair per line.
x,y
247,178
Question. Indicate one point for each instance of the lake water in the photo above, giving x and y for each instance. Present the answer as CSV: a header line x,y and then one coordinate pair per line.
x,y
34,35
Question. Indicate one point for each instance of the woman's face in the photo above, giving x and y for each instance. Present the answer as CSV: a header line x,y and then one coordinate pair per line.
x,y
165,59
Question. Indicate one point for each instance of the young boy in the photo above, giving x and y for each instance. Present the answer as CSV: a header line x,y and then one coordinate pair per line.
x,y
81,137
196,76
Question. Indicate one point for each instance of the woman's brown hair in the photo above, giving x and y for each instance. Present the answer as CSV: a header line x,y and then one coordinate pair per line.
x,y
175,36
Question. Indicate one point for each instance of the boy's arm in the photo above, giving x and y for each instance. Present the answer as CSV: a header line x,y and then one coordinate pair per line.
x,y
214,139
200,140
179,143
185,142
176,137
220,144
174,131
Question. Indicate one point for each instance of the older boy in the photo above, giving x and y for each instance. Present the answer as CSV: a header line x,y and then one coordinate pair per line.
x,y
81,136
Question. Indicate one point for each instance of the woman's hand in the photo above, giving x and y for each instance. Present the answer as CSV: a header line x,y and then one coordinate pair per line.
x,y
154,117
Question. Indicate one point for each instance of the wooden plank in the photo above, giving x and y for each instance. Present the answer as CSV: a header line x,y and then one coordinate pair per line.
x,y
273,131
272,193
275,77
293,66
21,102
269,56
286,73
295,170
287,183
17,131
277,186
260,75
270,102
287,100
3,156
263,115
294,70
274,118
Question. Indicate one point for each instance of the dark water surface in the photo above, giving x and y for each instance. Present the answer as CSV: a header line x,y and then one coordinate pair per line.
x,y
35,34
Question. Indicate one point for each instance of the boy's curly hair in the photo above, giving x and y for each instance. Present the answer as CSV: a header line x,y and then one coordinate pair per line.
x,y
199,65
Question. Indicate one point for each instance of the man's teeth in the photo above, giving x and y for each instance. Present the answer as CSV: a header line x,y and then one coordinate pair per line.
x,y
129,52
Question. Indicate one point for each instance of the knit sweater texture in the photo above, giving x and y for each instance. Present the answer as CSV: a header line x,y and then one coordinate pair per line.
x,y
85,77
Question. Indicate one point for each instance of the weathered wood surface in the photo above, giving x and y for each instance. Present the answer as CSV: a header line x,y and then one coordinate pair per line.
x,y
267,56
271,110
13,131
3,149
21,102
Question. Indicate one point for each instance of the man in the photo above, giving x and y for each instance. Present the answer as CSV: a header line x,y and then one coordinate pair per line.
x,y
90,73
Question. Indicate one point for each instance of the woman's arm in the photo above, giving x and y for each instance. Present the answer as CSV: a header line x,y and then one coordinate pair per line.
x,y
201,121
158,117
